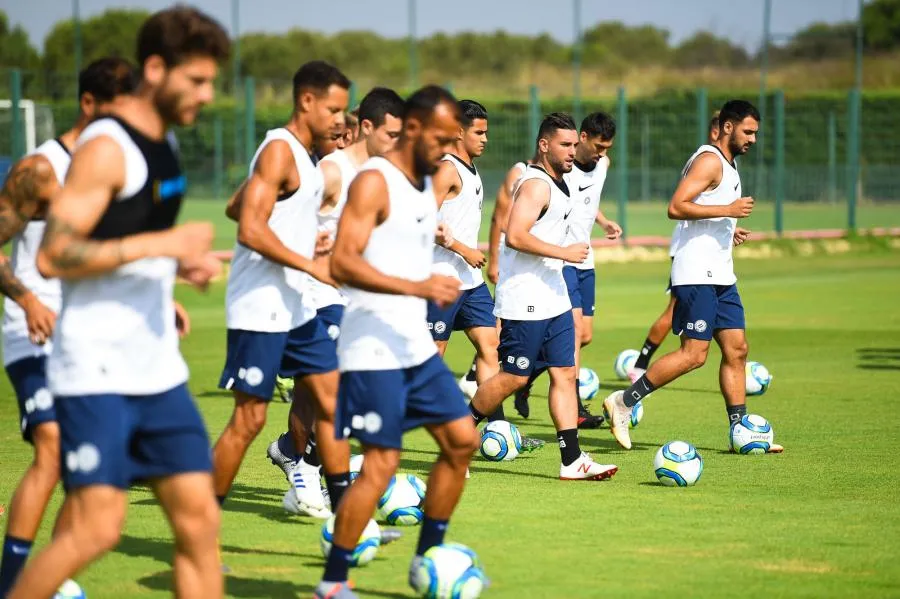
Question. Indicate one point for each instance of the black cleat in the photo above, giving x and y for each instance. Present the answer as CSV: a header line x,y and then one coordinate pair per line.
x,y
587,420
521,401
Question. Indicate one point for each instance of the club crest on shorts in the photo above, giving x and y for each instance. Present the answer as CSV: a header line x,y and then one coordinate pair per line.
x,y
440,326
522,363
700,326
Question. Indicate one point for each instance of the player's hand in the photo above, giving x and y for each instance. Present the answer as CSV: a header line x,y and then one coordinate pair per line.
x,y
613,230
39,318
199,271
324,243
440,289
740,208
740,235
190,240
182,320
576,253
321,271
443,236
474,258
493,272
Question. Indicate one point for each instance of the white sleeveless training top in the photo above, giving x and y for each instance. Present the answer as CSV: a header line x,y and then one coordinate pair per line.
x,y
702,249
521,168
322,295
463,214
532,287
384,331
262,295
16,344
585,186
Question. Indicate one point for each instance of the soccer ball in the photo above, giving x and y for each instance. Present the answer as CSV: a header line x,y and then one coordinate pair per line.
x,y
677,464
752,435
356,462
500,441
365,549
467,387
402,501
758,378
588,384
70,590
449,571
637,412
625,362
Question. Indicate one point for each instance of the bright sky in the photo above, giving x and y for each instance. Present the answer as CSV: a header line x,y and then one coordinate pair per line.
x,y
739,21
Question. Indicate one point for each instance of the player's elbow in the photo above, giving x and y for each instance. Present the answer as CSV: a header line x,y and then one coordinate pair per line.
x,y
45,264
675,212
514,239
249,234
338,267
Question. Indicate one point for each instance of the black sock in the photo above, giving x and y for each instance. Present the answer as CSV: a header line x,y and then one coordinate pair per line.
x,y
478,416
337,484
638,391
338,564
569,449
497,415
643,360
15,554
286,446
735,413
470,376
311,455
431,534
221,499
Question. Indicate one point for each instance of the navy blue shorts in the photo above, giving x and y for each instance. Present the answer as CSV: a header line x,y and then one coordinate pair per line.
x,y
29,379
116,440
581,284
524,344
473,308
331,317
700,310
378,406
255,358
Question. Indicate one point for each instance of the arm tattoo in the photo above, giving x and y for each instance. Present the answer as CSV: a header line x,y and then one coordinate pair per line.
x,y
72,251
23,195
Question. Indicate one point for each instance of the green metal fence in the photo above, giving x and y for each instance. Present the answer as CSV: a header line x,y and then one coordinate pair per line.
x,y
826,161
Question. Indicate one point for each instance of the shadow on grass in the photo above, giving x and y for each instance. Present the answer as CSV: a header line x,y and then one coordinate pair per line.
x,y
236,586
878,358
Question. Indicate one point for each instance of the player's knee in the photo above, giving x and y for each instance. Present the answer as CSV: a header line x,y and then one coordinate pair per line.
x,y
46,451
739,351
197,526
696,357
249,419
587,335
100,535
381,465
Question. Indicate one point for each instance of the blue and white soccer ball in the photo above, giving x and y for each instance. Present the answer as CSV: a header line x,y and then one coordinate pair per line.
x,y
588,384
677,464
752,434
403,500
356,462
500,441
366,548
625,362
758,378
449,571
70,590
637,412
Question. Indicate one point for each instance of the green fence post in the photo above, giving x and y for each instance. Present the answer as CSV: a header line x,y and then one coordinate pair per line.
x,y
702,116
779,162
622,159
645,157
17,150
832,157
534,118
249,119
351,102
576,61
218,158
852,157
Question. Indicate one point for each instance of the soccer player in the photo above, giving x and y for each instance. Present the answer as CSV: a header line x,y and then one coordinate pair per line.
x,y
707,204
657,333
32,302
115,372
391,377
585,182
271,329
532,301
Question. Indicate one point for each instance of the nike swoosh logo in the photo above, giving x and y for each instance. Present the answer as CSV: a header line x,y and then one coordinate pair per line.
x,y
477,190
20,550
580,188
567,215
420,219
736,185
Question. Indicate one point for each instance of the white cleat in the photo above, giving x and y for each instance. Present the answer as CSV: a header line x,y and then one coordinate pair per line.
x,y
308,491
585,468
635,373
468,387
619,417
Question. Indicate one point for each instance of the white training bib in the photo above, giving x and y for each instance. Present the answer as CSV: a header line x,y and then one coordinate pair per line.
x,y
585,187
463,215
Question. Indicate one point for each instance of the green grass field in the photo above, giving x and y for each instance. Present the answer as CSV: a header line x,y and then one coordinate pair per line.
x,y
821,520
642,218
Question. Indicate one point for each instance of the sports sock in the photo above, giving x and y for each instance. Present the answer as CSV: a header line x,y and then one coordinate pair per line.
x,y
286,446
569,448
497,415
15,554
470,376
643,360
478,416
638,391
735,413
311,455
337,485
432,534
337,566
221,499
